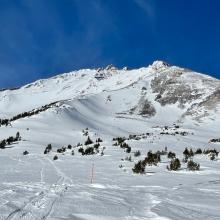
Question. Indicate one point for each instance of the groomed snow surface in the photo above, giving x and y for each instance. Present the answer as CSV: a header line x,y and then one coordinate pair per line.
x,y
36,187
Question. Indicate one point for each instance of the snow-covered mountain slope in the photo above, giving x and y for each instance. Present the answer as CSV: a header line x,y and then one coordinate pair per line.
x,y
152,107
151,92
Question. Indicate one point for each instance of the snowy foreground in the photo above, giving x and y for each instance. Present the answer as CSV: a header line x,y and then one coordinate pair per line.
x,y
36,187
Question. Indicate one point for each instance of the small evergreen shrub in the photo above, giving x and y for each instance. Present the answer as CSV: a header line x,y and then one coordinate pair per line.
x,y
139,167
81,150
17,137
152,159
128,149
99,140
212,156
198,151
185,159
119,140
25,153
128,159
88,141
174,164
78,145
137,153
48,149
69,147
209,151
124,145
96,146
3,144
61,150
171,155
191,153
186,152
193,166
55,157
89,151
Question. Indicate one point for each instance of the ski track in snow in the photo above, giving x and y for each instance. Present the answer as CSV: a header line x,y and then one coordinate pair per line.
x,y
41,205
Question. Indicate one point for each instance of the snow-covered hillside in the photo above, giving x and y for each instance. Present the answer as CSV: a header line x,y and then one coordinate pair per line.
x,y
157,106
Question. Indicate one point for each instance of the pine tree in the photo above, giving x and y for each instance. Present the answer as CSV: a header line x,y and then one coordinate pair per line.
x,y
88,141
174,164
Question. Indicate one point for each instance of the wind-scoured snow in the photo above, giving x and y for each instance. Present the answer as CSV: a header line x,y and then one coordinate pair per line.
x,y
111,103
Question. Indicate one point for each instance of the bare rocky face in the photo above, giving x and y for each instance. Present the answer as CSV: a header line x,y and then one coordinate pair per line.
x,y
202,109
171,90
171,87
144,108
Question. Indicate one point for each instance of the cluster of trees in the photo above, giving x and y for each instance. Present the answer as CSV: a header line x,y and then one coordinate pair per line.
x,y
120,141
175,163
189,153
90,150
151,159
188,158
138,137
215,140
61,150
10,140
7,122
182,133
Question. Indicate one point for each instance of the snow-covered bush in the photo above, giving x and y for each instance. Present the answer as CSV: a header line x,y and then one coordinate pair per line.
x,y
191,165
171,155
139,167
174,164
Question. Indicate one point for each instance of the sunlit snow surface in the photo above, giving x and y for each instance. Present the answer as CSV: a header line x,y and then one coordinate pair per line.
x,y
37,187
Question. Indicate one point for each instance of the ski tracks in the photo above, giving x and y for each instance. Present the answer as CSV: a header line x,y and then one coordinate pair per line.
x,y
40,206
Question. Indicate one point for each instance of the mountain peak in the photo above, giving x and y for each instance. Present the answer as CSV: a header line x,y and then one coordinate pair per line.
x,y
110,67
158,64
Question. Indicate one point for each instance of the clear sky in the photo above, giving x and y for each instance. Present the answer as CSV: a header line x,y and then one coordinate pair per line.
x,y
41,38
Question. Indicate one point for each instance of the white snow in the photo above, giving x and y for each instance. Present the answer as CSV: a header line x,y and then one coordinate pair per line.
x,y
35,187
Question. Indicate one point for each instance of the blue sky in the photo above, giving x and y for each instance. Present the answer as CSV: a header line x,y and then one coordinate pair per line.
x,y
41,38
